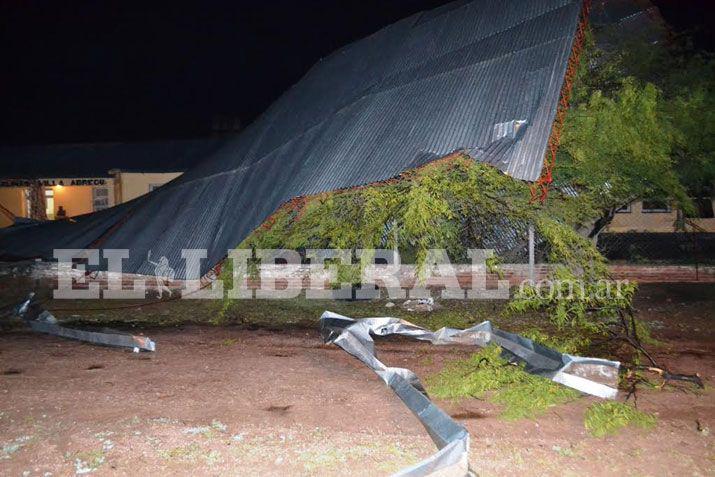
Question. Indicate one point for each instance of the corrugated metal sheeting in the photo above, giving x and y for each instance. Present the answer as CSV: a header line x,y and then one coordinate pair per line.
x,y
482,76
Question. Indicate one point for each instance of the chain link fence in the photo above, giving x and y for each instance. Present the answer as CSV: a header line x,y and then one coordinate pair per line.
x,y
690,248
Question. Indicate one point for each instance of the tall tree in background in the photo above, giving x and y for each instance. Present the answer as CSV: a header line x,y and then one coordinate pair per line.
x,y
641,126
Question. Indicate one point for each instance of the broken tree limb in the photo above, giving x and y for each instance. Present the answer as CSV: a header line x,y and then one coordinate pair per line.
x,y
668,376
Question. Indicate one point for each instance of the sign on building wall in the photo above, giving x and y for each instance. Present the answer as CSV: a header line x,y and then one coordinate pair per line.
x,y
79,181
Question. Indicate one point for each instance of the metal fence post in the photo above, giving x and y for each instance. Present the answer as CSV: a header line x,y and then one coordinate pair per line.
x,y
532,272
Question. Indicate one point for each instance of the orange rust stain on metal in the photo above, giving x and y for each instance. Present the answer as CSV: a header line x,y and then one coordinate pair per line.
x,y
540,188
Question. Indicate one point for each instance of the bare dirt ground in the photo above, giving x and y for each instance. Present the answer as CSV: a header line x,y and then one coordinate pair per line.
x,y
237,401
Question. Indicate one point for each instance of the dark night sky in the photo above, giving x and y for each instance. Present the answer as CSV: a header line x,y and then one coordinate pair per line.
x,y
76,71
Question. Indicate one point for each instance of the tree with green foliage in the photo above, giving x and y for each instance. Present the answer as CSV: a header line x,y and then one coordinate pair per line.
x,y
641,126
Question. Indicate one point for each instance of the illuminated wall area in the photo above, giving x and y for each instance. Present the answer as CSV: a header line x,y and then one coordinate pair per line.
x,y
77,196
78,200
12,200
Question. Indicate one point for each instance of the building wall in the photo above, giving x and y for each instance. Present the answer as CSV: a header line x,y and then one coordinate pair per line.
x,y
636,220
701,225
135,184
75,199
79,199
13,199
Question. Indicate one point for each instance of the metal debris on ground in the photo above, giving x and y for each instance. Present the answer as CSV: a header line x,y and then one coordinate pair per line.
x,y
598,377
42,321
420,304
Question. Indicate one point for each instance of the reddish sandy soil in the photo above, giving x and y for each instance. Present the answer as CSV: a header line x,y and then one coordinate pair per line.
x,y
228,401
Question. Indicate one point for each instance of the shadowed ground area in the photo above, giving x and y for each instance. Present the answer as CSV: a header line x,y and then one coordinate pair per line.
x,y
263,395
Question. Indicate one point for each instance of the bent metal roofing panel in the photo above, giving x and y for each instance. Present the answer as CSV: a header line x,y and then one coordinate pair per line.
x,y
482,75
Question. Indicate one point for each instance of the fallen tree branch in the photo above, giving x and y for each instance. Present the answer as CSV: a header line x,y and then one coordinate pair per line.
x,y
668,376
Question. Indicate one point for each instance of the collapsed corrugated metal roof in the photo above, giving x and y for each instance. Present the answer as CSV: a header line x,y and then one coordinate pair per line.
x,y
482,75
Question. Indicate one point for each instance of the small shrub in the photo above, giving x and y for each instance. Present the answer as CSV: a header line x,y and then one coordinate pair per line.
x,y
532,397
645,334
523,395
571,343
606,418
